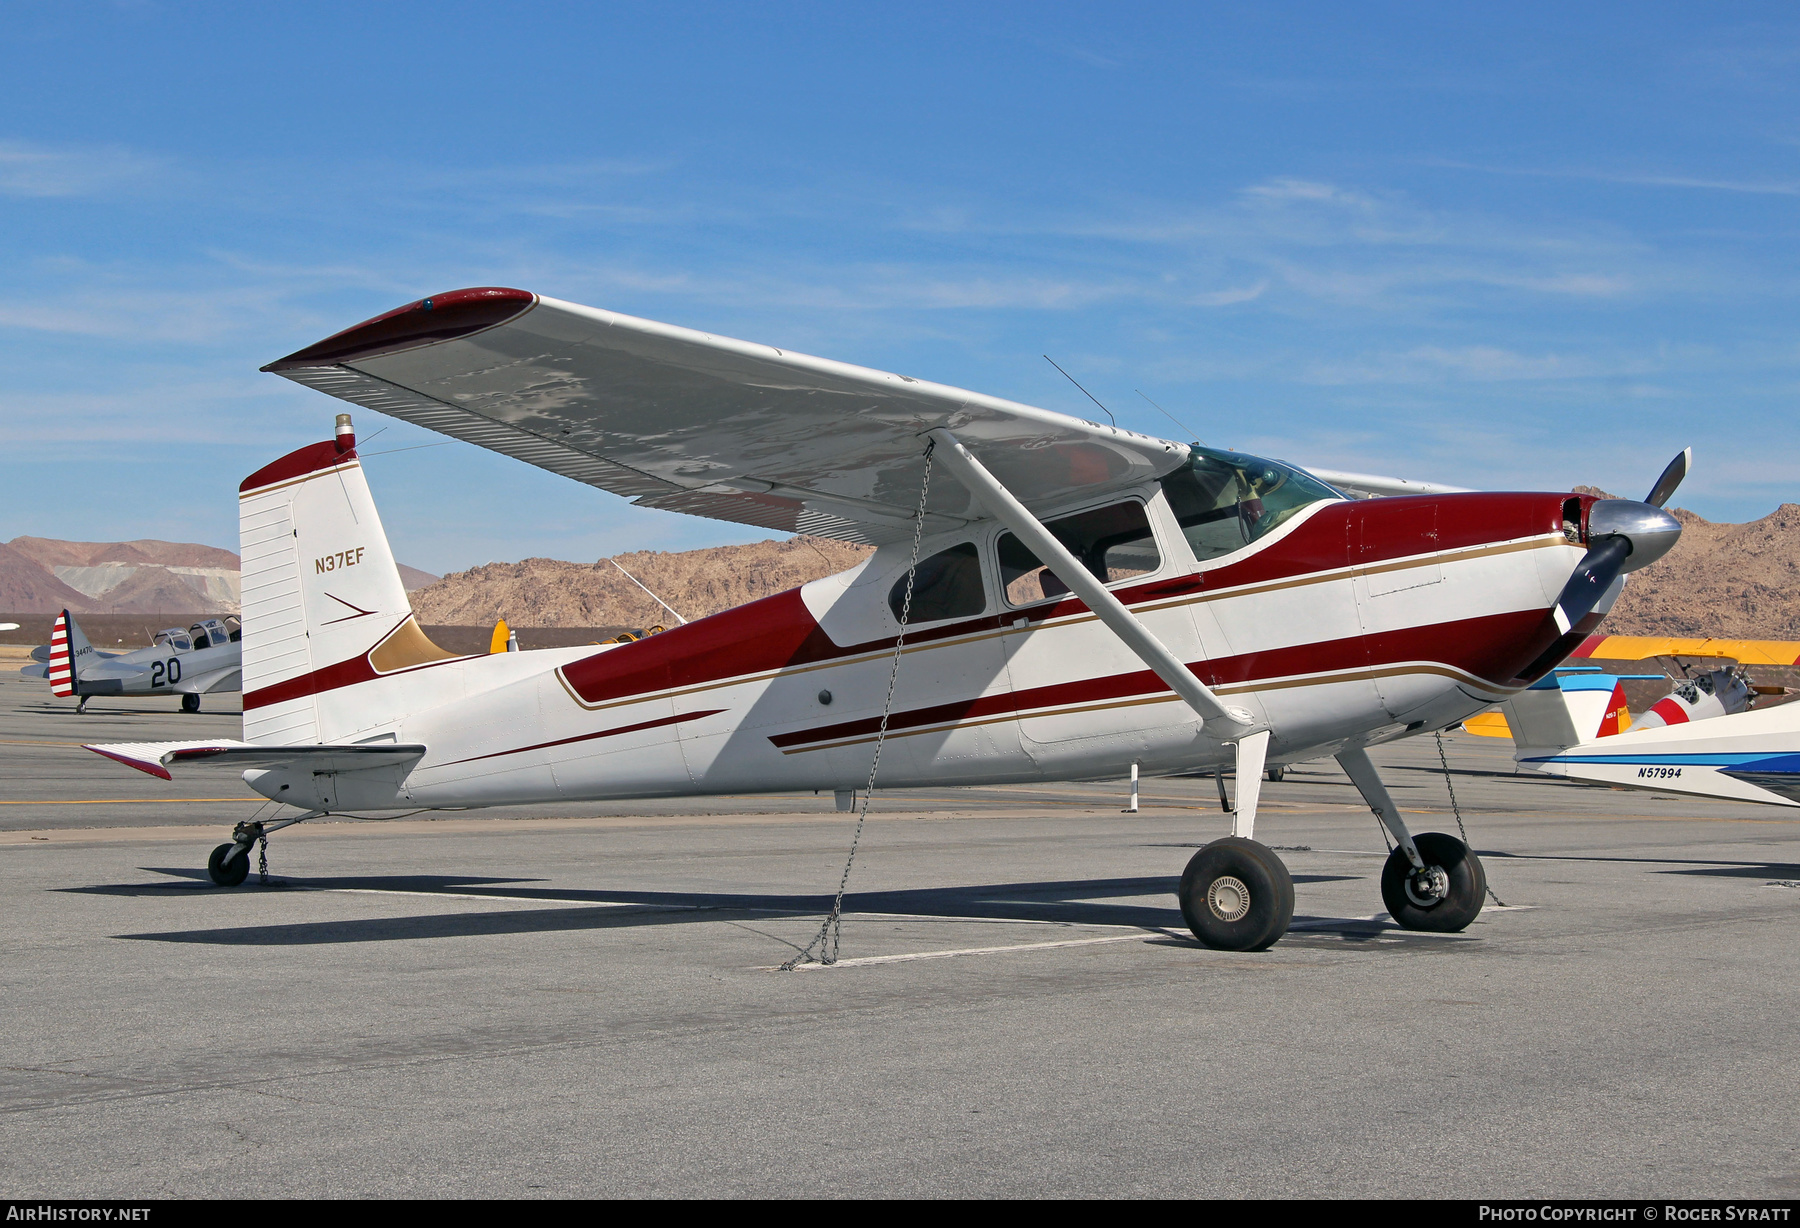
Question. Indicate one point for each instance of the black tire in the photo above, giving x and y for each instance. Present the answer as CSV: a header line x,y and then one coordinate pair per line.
x,y
190,703
1276,773
228,874
1415,910
1213,891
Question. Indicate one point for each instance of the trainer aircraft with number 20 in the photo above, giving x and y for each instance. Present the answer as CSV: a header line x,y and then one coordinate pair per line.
x,y
1073,599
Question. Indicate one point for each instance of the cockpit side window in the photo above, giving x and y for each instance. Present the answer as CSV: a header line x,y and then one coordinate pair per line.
x,y
946,585
1114,543
1226,500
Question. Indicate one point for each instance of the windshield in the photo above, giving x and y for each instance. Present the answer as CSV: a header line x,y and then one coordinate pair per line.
x,y
1226,500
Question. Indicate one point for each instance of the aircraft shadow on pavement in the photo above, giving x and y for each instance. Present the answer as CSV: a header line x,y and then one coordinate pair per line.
x,y
1691,867
1075,902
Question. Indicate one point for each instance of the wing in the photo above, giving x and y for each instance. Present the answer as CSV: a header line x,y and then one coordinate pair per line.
x,y
1374,486
1643,647
695,423
157,757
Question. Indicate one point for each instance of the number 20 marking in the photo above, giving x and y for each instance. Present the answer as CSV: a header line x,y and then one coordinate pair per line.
x,y
165,673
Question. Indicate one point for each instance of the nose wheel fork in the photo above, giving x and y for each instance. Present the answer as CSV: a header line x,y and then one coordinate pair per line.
x,y
1445,895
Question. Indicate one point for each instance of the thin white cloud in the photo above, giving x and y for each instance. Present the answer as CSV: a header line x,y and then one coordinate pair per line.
x,y
35,170
1631,179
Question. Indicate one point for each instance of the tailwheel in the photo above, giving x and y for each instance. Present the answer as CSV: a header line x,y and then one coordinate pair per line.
x,y
228,873
1236,895
190,703
1443,897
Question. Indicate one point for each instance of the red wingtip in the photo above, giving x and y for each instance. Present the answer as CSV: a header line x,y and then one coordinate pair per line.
x,y
442,317
150,769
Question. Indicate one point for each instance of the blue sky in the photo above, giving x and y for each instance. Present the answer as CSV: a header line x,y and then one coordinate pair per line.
x,y
1518,248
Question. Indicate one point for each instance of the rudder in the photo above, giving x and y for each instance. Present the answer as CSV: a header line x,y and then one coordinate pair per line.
x,y
69,651
324,607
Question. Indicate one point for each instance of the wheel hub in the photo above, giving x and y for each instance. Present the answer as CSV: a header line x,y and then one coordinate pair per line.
x,y
1428,886
1227,898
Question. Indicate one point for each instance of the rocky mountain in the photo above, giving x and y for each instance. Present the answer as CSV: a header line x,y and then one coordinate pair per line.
x,y
1738,580
1721,579
551,593
40,575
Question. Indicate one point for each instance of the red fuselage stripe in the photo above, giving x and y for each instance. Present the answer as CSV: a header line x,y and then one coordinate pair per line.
x,y
1465,645
779,632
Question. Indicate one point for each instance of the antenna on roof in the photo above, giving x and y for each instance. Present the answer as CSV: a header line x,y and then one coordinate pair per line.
x,y
1172,418
658,600
1084,392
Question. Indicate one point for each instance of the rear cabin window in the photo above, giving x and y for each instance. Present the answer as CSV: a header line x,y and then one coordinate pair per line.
x,y
1114,543
946,585
1226,500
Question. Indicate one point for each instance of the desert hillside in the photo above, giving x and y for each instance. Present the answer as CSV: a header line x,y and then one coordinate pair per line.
x,y
40,575
551,593
1722,579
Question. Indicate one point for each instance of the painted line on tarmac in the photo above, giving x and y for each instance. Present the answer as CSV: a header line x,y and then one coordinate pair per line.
x,y
501,899
913,956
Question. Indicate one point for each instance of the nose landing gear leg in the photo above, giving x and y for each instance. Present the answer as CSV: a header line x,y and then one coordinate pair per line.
x,y
1431,882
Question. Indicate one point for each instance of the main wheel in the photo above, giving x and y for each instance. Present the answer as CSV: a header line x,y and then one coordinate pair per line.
x,y
1443,899
228,873
1236,895
1275,774
190,703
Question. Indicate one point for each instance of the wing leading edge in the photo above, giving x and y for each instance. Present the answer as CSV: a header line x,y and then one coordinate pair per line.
x,y
690,422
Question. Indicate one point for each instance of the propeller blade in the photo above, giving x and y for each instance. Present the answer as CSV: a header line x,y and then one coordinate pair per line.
x,y
1671,478
1589,581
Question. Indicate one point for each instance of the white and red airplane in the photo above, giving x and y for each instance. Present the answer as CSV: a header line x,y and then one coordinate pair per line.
x,y
1084,599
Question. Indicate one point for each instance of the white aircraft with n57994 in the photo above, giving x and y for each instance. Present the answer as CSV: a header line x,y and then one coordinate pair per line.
x,y
1072,599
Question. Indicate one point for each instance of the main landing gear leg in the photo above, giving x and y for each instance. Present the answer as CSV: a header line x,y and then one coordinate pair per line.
x,y
1236,895
1430,882
229,864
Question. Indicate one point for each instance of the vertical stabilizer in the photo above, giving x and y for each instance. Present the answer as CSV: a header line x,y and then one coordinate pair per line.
x,y
70,652
324,606
1568,708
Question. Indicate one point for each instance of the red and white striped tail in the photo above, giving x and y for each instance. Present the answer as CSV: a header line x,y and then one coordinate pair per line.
x,y
62,668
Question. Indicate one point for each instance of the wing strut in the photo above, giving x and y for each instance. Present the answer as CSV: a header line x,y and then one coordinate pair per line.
x,y
1223,723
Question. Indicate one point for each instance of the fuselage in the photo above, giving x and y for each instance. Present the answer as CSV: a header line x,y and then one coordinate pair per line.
x,y
1351,623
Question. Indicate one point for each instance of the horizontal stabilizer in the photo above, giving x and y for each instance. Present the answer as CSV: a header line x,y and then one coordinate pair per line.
x,y
157,757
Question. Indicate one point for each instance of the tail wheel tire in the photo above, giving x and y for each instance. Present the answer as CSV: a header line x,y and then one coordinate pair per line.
x,y
190,703
1236,895
228,873
1446,897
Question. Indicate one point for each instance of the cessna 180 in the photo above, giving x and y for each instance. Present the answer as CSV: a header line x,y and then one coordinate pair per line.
x,y
1051,599
185,661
